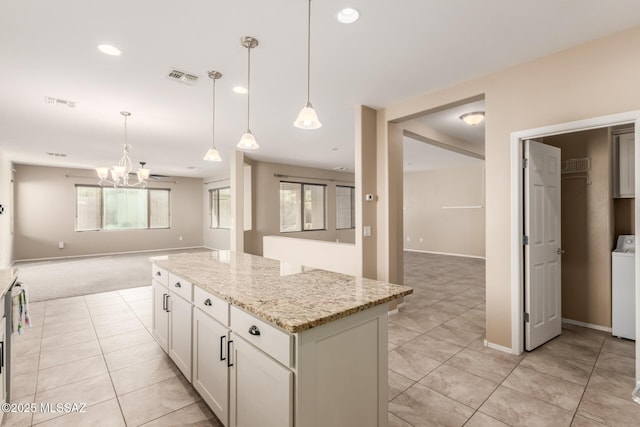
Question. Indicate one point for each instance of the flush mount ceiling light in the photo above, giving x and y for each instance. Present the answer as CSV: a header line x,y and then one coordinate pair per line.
x,y
120,173
213,155
348,15
240,89
474,118
248,141
107,49
307,118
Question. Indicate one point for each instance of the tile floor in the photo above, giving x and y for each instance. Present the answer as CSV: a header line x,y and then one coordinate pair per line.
x,y
97,350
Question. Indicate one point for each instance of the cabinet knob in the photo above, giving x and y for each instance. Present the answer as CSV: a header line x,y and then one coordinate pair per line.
x,y
158,274
207,302
178,285
253,330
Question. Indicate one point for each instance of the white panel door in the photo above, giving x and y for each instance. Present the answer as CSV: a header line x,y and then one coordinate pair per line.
x,y
160,315
542,297
180,333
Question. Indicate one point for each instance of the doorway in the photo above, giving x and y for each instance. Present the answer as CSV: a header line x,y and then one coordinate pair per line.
x,y
517,194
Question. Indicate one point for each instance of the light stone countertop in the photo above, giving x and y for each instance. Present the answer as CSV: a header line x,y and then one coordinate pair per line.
x,y
294,302
6,278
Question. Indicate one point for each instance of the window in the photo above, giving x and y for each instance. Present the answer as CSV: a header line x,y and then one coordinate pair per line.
x,y
301,207
220,205
100,208
345,207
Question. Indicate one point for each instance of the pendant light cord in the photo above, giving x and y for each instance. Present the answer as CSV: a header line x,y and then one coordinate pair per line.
x,y
248,84
125,132
309,53
213,123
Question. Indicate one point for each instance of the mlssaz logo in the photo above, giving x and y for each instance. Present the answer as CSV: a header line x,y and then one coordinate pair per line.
x,y
1,209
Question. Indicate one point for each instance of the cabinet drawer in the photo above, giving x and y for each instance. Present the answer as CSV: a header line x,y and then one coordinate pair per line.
x,y
181,287
212,305
160,275
273,341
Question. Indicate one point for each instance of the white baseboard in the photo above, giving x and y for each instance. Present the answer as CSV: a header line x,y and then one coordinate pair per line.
x,y
214,249
443,253
499,347
103,254
586,325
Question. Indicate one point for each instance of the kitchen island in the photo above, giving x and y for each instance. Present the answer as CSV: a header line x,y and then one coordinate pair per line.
x,y
270,344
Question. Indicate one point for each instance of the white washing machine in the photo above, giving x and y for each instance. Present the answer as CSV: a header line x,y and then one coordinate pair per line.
x,y
623,288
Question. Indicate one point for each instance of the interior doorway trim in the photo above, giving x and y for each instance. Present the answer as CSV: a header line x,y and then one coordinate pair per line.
x,y
517,261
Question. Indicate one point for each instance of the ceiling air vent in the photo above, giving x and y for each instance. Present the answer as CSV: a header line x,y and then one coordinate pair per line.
x,y
182,77
57,101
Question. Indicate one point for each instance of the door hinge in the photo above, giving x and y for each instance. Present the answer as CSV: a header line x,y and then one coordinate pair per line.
x,y
526,317
525,163
525,240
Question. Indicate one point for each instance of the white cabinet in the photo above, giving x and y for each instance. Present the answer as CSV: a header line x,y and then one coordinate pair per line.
x,y
210,363
172,321
625,165
261,389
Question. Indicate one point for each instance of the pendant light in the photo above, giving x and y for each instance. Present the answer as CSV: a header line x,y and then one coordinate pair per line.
x,y
248,141
308,119
213,155
120,172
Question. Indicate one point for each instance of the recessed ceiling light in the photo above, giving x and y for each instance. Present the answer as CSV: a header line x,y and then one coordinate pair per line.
x,y
474,118
240,89
107,49
348,15
340,169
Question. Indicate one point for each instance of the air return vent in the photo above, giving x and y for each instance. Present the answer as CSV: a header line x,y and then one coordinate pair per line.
x,y
182,77
57,101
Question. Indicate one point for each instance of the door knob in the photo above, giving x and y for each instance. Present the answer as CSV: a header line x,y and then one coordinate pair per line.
x,y
560,251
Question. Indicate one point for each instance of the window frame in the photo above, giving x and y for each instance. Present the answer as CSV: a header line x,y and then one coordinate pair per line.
x,y
352,215
324,206
217,207
102,206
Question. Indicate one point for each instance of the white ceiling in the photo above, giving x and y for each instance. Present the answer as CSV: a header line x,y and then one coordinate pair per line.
x,y
397,50
449,123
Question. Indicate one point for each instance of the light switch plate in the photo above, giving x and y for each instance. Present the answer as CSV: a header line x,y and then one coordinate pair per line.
x,y
367,231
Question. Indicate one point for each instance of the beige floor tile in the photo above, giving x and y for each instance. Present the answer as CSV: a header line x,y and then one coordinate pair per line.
x,y
400,319
63,328
105,414
616,363
429,314
60,355
611,383
25,364
395,421
19,419
518,409
399,335
411,364
432,347
459,385
88,392
23,385
580,421
129,356
62,318
397,384
586,355
565,369
197,414
157,400
482,420
422,406
104,298
493,367
117,317
69,373
450,307
550,389
21,348
143,374
64,340
127,339
453,335
141,304
608,409
620,346
132,324
466,324
101,310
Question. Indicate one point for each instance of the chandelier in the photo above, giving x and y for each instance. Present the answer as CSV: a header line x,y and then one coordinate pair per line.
x,y
120,173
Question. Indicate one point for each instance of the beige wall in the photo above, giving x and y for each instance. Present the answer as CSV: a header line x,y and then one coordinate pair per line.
x,y
214,238
266,203
45,203
6,233
591,80
587,222
431,228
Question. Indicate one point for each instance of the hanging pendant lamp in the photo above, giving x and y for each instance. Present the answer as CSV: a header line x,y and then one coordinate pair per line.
x,y
213,155
308,119
248,141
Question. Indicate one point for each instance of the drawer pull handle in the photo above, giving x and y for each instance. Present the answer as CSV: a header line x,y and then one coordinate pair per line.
x,y
178,285
222,338
158,274
164,301
229,363
208,303
253,330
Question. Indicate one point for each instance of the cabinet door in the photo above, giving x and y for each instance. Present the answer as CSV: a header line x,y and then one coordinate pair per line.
x,y
180,333
261,388
626,164
160,315
210,371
